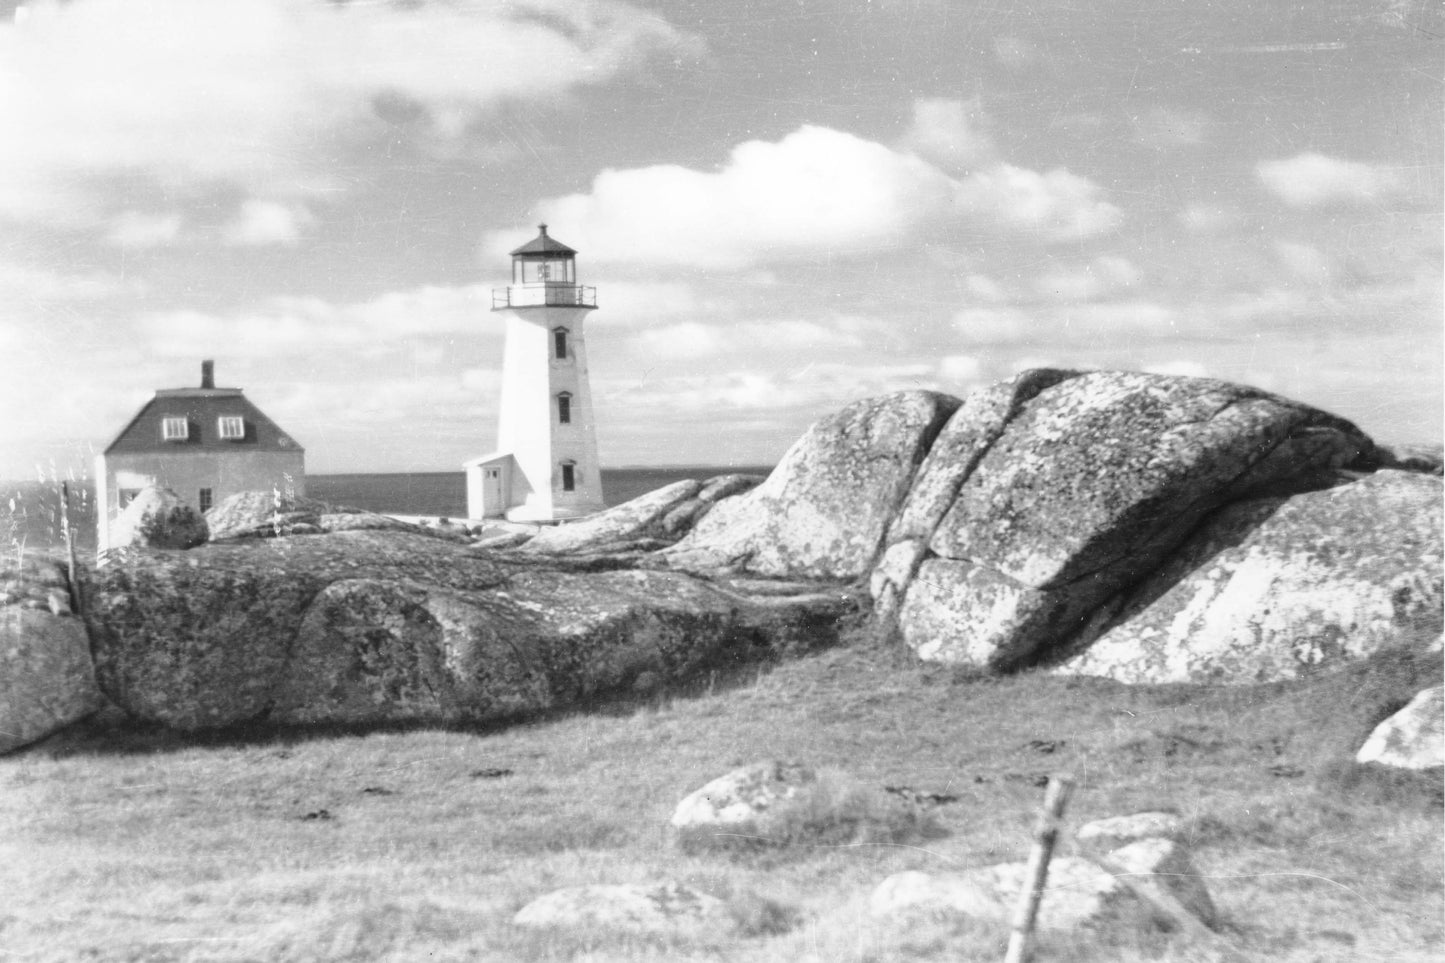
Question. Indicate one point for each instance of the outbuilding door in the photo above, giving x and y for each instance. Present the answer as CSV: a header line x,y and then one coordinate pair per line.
x,y
492,491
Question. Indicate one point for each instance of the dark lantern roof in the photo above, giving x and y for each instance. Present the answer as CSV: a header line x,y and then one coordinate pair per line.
x,y
542,245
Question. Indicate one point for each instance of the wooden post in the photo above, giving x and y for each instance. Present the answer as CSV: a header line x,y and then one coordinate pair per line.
x,y
73,586
1056,797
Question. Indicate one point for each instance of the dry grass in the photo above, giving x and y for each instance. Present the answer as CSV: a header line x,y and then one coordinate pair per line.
x,y
118,844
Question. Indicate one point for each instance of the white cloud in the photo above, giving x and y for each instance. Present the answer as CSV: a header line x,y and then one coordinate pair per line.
x,y
779,198
693,340
140,230
986,289
1182,368
1209,218
1313,180
954,134
260,223
963,369
25,285
261,93
1055,206
817,193
1069,323
285,325
1002,324
1305,261
1105,275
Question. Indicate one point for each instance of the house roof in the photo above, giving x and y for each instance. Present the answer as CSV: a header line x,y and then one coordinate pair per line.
x,y
202,408
542,245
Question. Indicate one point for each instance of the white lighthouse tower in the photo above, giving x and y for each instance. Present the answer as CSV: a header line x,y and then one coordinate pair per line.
x,y
545,467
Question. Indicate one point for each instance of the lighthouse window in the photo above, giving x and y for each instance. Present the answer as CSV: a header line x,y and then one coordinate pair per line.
x,y
569,477
564,409
559,344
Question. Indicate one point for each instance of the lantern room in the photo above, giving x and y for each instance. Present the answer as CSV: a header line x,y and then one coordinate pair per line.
x,y
544,272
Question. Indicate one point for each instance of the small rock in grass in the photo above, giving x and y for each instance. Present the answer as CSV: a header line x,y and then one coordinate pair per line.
x,y
630,908
743,796
1102,835
1413,738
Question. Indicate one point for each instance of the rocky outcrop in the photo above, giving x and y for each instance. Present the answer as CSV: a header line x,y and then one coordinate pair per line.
x,y
1274,588
368,626
46,680
1413,738
157,518
823,511
1051,494
658,518
1145,527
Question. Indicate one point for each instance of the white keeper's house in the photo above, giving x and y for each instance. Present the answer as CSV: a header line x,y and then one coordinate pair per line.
x,y
545,467
204,444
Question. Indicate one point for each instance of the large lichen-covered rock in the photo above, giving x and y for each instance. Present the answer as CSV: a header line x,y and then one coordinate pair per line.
x,y
1070,488
370,650
46,680
1273,588
157,518
263,514
1413,738
955,453
205,639
824,510
369,626
665,514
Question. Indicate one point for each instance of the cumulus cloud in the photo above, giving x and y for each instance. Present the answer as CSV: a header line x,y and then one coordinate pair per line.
x,y
1054,206
1314,180
815,194
954,134
1101,277
1182,368
816,191
260,93
261,223
134,229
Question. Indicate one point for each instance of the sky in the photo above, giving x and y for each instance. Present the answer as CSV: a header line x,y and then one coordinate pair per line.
x,y
785,207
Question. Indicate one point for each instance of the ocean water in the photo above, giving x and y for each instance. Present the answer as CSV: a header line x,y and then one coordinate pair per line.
x,y
445,493
30,512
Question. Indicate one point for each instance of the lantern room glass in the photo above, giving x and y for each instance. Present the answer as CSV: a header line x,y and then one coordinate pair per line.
x,y
551,270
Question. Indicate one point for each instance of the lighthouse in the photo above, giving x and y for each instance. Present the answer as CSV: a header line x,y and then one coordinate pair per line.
x,y
545,467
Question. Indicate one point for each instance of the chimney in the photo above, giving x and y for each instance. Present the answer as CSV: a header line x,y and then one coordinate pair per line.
x,y
208,374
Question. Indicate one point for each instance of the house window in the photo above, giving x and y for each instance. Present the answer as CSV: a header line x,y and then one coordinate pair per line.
x,y
231,427
127,495
569,477
564,409
175,429
559,343
205,499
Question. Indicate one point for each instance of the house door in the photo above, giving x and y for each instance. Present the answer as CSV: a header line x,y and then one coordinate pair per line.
x,y
492,502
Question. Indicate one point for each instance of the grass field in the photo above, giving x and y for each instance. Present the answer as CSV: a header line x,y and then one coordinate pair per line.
x,y
118,843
